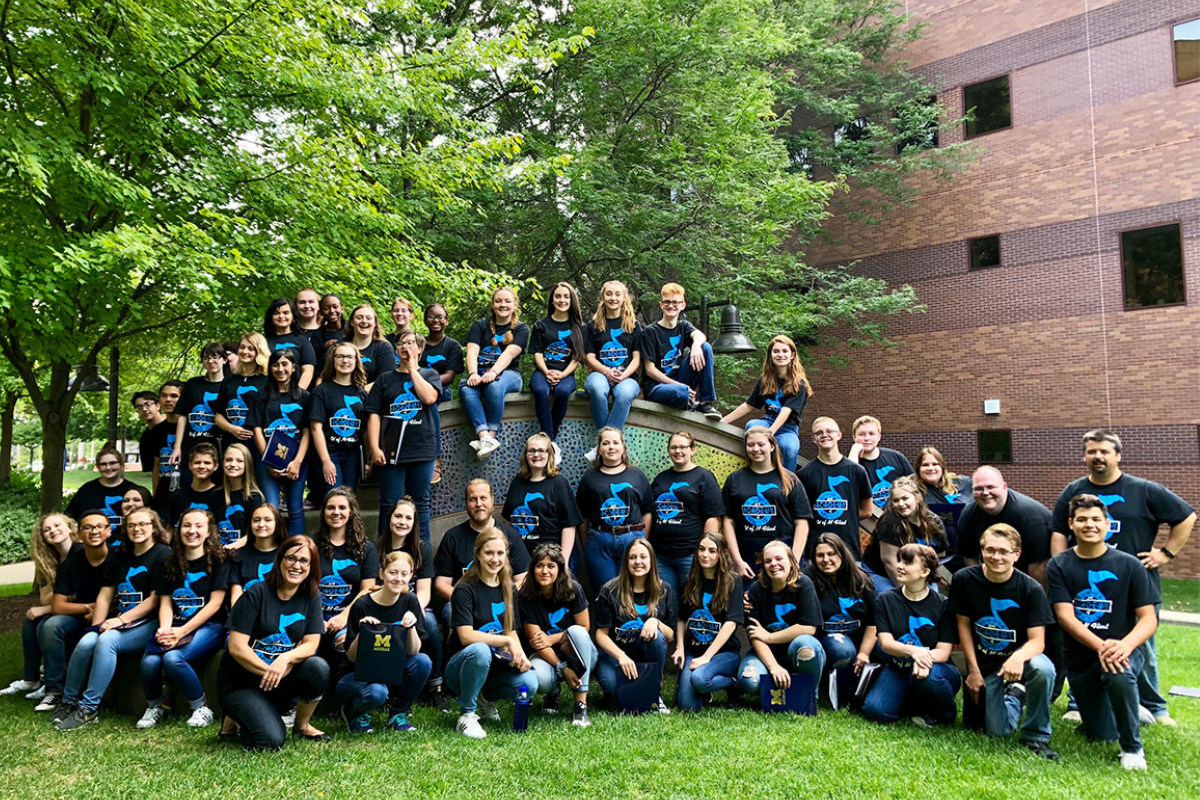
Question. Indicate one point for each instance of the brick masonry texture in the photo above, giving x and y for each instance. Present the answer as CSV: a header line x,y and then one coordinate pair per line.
x,y
1102,141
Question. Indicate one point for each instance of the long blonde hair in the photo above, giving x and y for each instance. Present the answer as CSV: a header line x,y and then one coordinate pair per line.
x,y
45,559
628,317
261,357
787,478
249,484
796,376
474,573
512,324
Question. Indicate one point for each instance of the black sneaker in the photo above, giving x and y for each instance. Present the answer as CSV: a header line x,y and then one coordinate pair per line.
x,y
78,718
63,711
1042,749
1015,689
550,704
441,703
709,410
580,717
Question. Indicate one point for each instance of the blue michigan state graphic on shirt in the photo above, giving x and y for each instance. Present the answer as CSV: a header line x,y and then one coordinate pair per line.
x,y
201,418
614,510
881,490
263,571
284,423
344,422
225,528
1092,604
914,625
670,360
406,405
271,647
490,354
334,590
758,510
558,351
993,634
830,504
236,410
112,511
1114,525
702,625
667,505
631,630
781,611
185,599
612,352
842,622
127,595
523,518
772,406
497,623
556,617
164,456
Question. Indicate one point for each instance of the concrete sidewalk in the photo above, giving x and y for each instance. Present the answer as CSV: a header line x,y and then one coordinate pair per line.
x,y
16,573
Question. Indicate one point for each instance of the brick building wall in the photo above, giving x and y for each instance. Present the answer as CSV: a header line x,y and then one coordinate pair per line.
x,y
1102,141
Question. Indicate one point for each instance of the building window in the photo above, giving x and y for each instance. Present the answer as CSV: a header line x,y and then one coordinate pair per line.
x,y
988,105
985,252
853,131
1187,51
1152,267
919,122
995,447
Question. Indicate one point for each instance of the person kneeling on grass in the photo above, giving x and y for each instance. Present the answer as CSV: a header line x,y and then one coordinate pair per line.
x,y
917,630
486,654
556,623
710,610
191,585
784,617
393,604
1002,615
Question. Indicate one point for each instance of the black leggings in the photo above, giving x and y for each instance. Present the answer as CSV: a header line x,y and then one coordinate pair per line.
x,y
257,712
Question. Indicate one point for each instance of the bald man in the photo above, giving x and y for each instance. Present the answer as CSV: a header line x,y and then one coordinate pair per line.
x,y
992,502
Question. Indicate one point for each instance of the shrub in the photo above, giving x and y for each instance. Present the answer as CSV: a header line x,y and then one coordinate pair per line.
x,y
19,510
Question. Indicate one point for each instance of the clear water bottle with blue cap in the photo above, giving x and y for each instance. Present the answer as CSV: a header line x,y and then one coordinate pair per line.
x,y
521,710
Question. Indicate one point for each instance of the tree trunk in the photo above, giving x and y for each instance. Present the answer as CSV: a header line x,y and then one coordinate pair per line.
x,y
7,413
54,409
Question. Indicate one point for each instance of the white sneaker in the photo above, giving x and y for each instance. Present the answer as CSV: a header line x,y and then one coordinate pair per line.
x,y
1165,718
487,447
1134,760
474,445
288,719
49,702
1072,716
202,717
661,707
487,710
153,716
590,455
557,454
468,725
40,692
1144,716
19,686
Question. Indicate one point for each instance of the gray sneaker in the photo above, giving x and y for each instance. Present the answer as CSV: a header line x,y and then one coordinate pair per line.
x,y
78,718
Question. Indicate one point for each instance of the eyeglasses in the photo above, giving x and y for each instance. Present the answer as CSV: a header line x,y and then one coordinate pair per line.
x,y
91,528
297,560
109,464
215,358
139,526
145,406
441,317
992,551
343,357
536,452
670,302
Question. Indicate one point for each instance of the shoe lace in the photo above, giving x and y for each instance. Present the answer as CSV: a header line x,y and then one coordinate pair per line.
x,y
398,719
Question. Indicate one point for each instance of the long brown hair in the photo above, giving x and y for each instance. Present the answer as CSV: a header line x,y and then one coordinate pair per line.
x,y
849,580
787,478
563,588
927,528
474,573
356,537
693,587
328,371
214,553
628,316
624,582
796,376
516,316
249,484
949,482
45,557
412,542
793,576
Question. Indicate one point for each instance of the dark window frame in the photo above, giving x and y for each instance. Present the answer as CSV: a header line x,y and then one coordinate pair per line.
x,y
1175,55
1011,106
1182,265
999,253
933,100
979,434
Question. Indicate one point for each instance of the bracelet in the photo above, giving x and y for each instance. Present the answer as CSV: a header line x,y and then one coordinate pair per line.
x,y
1166,553
559,667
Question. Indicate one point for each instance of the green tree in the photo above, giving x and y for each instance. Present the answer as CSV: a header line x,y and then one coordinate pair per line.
x,y
167,166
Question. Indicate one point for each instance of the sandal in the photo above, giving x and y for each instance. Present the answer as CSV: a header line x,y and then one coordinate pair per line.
x,y
437,471
312,737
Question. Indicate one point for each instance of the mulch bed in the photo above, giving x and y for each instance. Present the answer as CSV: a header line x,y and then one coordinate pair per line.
x,y
12,611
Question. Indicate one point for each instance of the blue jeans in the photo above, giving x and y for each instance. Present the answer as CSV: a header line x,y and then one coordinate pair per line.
x,y
548,678
95,661
1149,696
31,648
752,671
676,395
410,479
602,555
788,438
433,647
896,692
346,463
673,570
178,663
608,672
293,491
363,698
882,582
550,416
1003,713
469,672
623,394
56,636
1108,702
714,676
485,403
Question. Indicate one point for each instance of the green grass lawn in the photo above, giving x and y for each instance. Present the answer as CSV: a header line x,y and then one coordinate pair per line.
x,y
718,753
14,589
1180,595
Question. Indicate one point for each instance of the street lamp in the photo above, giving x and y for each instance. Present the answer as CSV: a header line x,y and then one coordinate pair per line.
x,y
732,339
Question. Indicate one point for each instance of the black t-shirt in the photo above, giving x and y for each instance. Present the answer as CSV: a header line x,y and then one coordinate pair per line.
x,y
613,347
1136,509
775,403
274,626
960,495
924,623
702,622
378,358
607,501
252,566
666,349
77,580
888,531
185,498
423,571
445,356
849,616
539,510
162,442
682,502
234,523
623,628
778,611
480,607
147,449
834,492
271,411
552,616
393,396
457,550
339,409
366,606
760,511
199,402
299,344
1028,516
492,345
1104,592
191,593
882,472
552,339
133,575
94,496
1001,614
321,339
237,393
342,575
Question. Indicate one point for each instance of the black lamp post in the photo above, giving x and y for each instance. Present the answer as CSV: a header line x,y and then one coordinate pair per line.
x,y
732,338
92,381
